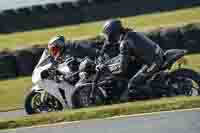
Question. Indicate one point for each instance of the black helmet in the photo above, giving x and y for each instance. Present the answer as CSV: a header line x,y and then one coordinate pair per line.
x,y
112,29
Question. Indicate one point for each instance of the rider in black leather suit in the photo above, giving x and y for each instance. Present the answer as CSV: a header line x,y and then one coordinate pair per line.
x,y
133,47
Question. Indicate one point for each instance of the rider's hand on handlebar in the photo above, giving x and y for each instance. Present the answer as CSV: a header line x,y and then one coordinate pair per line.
x,y
100,67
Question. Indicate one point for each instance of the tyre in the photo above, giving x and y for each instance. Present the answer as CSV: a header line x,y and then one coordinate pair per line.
x,y
186,81
81,98
33,103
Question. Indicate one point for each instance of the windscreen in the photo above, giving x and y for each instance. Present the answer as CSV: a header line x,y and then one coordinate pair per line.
x,y
44,59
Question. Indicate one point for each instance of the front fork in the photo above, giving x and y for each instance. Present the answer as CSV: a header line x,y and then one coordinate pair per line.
x,y
52,89
94,85
44,96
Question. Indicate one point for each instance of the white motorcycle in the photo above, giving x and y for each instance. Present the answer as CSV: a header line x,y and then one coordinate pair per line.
x,y
52,93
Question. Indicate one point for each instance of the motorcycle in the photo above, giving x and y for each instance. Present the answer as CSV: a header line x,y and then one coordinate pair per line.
x,y
53,86
102,87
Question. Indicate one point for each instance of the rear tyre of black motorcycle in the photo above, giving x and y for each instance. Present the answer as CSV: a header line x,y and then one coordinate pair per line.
x,y
81,98
188,74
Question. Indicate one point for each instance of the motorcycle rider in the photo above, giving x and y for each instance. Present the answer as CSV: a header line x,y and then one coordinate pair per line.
x,y
133,47
60,48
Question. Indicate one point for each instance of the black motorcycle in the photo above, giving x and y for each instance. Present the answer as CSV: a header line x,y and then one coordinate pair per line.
x,y
101,87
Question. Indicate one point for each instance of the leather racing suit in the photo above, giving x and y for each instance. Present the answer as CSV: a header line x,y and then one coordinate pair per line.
x,y
136,47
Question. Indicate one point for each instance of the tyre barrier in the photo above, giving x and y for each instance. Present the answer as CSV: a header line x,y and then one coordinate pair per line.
x,y
22,62
171,38
36,52
7,66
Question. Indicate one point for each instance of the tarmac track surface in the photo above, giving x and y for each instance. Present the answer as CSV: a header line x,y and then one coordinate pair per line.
x,y
165,122
12,114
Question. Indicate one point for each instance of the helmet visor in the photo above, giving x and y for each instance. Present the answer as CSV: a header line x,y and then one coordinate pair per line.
x,y
54,51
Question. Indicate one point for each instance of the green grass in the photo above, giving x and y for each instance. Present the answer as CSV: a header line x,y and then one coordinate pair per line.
x,y
86,30
164,104
192,62
12,92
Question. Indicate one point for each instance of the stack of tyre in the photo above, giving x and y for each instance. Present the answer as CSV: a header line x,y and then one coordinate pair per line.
x,y
19,62
22,62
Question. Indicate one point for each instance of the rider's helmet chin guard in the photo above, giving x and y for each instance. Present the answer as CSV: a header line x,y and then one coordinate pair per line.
x,y
56,47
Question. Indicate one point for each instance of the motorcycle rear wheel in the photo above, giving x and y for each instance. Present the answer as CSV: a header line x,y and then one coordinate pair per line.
x,y
186,75
81,98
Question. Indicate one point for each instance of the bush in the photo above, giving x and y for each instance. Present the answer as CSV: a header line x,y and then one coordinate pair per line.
x,y
23,11
67,5
38,9
99,1
81,2
51,7
9,12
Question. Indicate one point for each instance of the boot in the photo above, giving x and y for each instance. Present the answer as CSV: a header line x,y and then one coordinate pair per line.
x,y
125,96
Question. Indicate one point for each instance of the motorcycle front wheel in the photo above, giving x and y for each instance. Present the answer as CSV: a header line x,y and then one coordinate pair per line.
x,y
33,103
